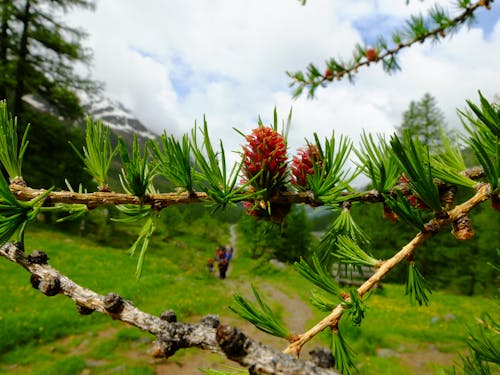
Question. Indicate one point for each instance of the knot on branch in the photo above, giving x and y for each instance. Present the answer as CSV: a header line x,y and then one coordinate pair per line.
x,y
432,227
231,341
165,347
83,310
322,357
38,257
211,321
49,285
447,195
18,180
169,316
462,228
113,303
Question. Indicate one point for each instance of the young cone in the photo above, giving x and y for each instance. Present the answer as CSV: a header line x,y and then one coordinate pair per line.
x,y
303,165
265,153
265,164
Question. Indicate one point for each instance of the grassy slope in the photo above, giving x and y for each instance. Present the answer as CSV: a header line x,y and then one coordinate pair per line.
x,y
41,335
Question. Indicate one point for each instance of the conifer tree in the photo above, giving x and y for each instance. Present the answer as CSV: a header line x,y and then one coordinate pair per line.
x,y
424,119
38,53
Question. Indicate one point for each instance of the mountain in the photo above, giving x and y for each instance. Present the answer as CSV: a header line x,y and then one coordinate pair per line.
x,y
120,119
112,113
50,159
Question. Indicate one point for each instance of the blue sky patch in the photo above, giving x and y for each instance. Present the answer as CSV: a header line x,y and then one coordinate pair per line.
x,y
181,76
487,19
377,24
381,24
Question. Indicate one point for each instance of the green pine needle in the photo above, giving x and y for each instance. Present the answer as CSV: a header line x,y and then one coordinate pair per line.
x,y
132,212
137,174
329,178
73,211
378,162
484,340
174,160
345,225
260,315
212,174
401,206
484,139
323,301
474,366
416,286
98,152
415,162
488,114
319,275
448,163
355,307
349,252
142,243
342,353
14,214
10,157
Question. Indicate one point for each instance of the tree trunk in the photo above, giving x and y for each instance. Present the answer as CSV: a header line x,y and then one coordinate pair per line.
x,y
3,49
21,65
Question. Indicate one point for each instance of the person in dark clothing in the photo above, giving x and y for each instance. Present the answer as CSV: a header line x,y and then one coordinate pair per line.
x,y
223,264
220,254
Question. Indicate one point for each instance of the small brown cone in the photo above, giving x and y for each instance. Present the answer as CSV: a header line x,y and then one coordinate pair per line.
x,y
390,214
448,196
462,229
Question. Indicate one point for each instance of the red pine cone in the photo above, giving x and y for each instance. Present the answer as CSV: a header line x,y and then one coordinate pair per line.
x,y
328,74
371,54
417,202
266,152
303,164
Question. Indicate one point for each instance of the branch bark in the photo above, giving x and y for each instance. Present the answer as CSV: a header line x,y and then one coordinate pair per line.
x,y
159,201
170,335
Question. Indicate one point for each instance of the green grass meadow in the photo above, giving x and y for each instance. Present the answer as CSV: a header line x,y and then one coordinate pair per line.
x,y
45,335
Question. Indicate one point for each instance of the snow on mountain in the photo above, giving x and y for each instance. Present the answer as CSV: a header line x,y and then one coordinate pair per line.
x,y
112,113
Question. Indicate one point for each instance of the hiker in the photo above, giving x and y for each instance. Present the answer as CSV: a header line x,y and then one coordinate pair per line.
x,y
220,253
223,264
210,265
229,254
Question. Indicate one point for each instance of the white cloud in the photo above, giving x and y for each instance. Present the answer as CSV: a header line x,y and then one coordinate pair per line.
x,y
172,62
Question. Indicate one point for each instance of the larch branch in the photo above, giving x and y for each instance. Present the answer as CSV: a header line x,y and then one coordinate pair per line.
x,y
483,193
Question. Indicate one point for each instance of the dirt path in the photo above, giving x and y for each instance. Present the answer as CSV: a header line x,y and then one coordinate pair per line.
x,y
295,314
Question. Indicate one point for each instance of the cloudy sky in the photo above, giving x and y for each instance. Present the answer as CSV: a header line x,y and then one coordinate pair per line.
x,y
172,62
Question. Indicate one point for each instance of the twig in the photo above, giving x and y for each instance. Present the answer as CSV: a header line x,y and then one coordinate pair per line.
x,y
483,193
438,31
159,201
96,199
